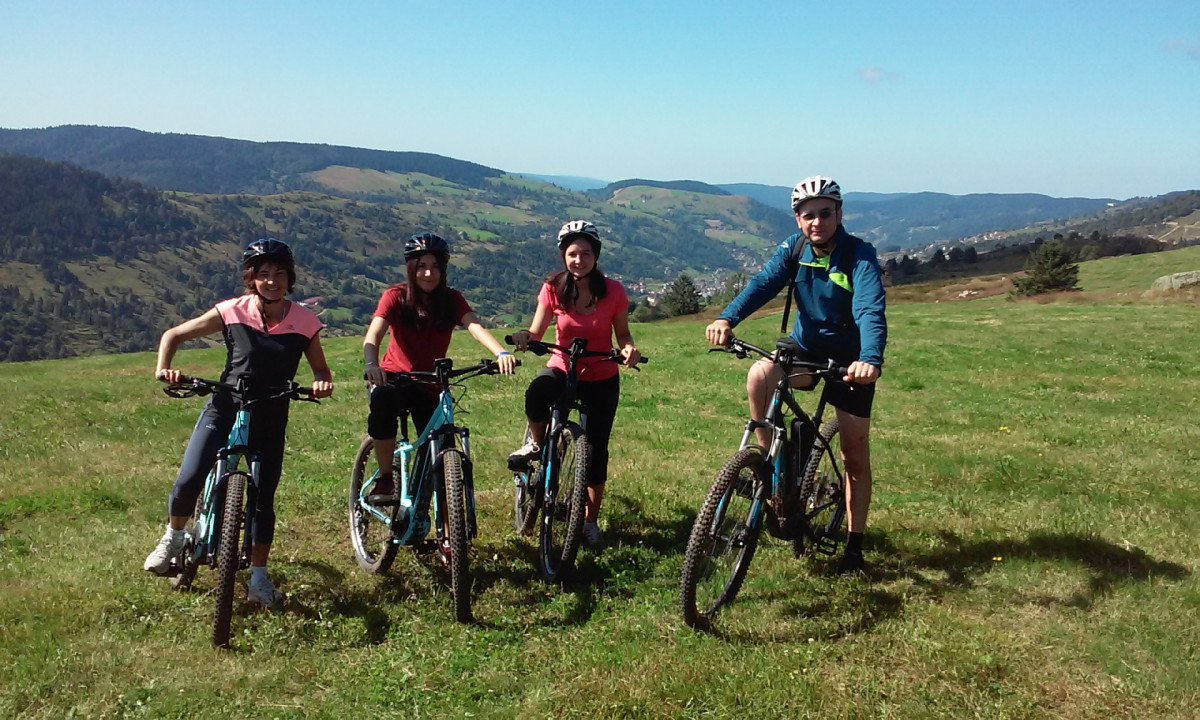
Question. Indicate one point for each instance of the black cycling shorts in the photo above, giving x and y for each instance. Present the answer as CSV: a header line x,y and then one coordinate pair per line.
x,y
851,397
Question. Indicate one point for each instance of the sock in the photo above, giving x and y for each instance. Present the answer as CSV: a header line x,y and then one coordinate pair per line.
x,y
176,535
258,573
854,543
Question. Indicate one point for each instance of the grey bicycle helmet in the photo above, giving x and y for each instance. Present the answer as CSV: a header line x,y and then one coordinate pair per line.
x,y
576,229
816,186
426,242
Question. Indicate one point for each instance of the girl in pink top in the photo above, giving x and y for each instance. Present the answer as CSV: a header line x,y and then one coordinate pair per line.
x,y
582,303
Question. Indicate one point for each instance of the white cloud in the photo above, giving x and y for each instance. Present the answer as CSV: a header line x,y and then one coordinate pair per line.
x,y
874,76
1179,45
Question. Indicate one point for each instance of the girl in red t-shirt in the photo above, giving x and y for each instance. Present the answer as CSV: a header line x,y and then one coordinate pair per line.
x,y
583,303
421,315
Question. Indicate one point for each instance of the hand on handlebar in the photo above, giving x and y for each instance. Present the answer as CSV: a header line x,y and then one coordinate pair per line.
x,y
521,338
863,373
169,376
375,375
719,332
630,356
322,388
507,363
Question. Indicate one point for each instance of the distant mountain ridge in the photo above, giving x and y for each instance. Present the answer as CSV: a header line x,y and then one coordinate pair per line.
x,y
199,163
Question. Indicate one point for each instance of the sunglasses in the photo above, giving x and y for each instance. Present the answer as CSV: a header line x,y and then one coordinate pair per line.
x,y
824,214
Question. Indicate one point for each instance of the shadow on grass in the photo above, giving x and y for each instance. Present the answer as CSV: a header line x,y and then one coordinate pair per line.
x,y
634,547
1108,565
844,606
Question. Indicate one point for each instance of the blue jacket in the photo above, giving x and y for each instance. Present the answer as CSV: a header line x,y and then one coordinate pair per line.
x,y
839,304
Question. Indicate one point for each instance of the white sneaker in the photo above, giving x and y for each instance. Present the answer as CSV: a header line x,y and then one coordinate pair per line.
x,y
264,593
520,459
168,549
591,533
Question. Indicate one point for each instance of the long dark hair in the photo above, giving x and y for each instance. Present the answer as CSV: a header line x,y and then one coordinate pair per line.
x,y
566,287
419,309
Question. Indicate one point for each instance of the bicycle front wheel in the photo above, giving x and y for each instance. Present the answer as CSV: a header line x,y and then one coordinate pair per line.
x,y
456,533
227,556
371,538
724,538
565,504
823,492
527,495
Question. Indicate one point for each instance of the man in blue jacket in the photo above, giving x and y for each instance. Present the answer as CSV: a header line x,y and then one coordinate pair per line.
x,y
839,315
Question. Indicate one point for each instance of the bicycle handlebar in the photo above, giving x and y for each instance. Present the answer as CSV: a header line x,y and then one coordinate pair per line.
x,y
199,387
485,366
576,349
742,349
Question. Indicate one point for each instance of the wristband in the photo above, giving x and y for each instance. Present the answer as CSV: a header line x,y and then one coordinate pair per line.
x,y
502,353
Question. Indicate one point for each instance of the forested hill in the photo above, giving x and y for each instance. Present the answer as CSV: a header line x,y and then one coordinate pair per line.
x,y
91,263
196,163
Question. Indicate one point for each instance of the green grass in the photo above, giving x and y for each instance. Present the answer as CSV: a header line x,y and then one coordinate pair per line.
x,y
1033,537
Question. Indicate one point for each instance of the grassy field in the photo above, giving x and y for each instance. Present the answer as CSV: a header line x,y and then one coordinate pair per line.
x,y
1033,540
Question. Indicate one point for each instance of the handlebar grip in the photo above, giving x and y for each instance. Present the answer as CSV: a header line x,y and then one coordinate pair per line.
x,y
508,339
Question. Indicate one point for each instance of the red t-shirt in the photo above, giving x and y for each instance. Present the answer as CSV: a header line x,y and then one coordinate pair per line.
x,y
595,326
415,348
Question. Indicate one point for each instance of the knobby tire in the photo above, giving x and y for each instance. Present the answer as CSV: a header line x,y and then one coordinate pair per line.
x,y
372,539
187,564
227,557
822,494
456,533
723,540
527,496
563,516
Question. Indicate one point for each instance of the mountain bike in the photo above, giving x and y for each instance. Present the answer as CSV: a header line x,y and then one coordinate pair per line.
x,y
436,469
556,483
795,489
212,531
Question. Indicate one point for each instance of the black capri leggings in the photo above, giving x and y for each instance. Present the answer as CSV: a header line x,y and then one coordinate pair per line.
x,y
268,423
387,401
600,397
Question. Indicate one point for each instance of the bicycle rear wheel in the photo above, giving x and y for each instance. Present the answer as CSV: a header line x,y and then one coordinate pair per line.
x,y
456,533
371,538
565,504
527,496
724,538
186,564
823,494
227,556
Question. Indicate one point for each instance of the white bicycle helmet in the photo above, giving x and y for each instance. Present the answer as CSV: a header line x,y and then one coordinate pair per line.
x,y
579,229
817,186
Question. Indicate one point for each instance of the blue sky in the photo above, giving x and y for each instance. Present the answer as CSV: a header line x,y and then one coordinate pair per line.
x,y
1095,99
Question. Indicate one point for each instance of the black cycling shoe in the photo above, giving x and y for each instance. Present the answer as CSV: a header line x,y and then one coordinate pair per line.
x,y
851,562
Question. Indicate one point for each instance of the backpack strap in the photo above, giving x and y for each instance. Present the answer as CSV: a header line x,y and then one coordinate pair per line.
x,y
793,268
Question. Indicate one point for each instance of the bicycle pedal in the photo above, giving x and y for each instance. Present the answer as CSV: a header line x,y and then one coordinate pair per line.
x,y
825,546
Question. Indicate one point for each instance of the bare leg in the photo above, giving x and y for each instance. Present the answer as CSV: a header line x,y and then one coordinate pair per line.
x,y
595,497
760,381
259,552
384,454
855,432
537,431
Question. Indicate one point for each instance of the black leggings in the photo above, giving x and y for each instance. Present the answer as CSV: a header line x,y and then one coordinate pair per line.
x,y
386,402
600,397
268,423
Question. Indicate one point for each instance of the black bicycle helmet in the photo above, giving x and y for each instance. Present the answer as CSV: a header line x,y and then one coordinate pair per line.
x,y
265,249
577,229
426,242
